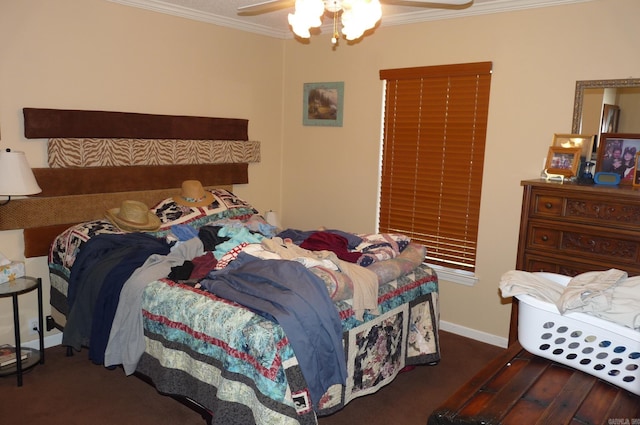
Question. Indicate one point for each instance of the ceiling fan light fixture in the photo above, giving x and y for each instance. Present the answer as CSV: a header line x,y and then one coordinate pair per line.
x,y
307,15
357,16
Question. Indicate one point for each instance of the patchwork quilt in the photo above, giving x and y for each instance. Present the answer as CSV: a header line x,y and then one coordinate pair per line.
x,y
238,364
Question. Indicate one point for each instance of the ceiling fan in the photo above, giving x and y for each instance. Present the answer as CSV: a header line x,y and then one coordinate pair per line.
x,y
357,15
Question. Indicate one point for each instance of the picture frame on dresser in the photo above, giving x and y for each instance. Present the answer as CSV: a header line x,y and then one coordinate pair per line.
x,y
636,174
583,141
564,161
612,150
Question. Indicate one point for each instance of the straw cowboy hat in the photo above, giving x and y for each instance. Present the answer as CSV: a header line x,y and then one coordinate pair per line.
x,y
193,195
133,216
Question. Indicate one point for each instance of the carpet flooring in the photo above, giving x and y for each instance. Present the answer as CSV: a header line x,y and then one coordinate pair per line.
x,y
72,390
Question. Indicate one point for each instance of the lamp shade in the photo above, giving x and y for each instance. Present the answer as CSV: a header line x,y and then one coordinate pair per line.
x,y
16,177
272,218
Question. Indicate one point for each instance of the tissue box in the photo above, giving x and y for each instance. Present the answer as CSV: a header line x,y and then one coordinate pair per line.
x,y
11,271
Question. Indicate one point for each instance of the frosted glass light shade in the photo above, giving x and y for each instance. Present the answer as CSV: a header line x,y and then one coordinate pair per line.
x,y
307,15
16,177
357,16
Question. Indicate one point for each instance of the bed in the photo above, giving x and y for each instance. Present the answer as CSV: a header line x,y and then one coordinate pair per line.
x,y
205,342
238,364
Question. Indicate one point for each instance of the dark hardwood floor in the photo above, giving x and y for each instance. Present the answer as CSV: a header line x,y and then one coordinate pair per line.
x,y
73,390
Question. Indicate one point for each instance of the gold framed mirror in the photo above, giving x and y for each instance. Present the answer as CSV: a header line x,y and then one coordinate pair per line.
x,y
586,108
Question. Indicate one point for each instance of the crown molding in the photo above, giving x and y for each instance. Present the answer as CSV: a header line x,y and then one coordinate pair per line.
x,y
488,7
210,18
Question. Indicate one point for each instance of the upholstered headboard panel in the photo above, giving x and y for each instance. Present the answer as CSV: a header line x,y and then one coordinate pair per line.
x,y
82,181
72,195
51,123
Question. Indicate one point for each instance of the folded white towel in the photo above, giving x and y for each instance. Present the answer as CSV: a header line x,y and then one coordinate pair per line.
x,y
625,304
591,291
517,282
609,295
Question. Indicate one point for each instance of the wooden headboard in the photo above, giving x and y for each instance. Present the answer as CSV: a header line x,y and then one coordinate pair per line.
x,y
73,195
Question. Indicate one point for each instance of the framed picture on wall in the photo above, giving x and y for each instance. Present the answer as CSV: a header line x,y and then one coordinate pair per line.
x,y
617,154
565,161
322,104
582,141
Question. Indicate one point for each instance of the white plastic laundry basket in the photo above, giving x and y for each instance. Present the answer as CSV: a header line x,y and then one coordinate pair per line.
x,y
595,346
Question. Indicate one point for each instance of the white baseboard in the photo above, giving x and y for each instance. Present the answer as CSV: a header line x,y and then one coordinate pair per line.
x,y
474,334
49,341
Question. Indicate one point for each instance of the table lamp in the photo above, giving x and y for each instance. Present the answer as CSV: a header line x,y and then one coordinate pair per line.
x,y
16,177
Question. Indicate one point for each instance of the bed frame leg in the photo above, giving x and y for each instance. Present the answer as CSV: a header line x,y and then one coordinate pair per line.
x,y
207,418
52,324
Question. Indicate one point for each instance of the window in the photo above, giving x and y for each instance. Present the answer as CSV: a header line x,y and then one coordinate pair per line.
x,y
435,124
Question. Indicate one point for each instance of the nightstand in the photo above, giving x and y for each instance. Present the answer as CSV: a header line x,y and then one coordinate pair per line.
x,y
14,289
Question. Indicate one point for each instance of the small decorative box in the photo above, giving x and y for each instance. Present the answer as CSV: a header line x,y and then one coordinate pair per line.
x,y
11,271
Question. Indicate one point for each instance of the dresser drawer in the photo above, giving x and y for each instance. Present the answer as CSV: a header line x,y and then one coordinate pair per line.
x,y
589,208
542,237
603,212
584,242
568,266
547,205
535,263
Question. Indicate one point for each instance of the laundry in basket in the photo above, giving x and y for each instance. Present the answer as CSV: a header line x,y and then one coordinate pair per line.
x,y
593,345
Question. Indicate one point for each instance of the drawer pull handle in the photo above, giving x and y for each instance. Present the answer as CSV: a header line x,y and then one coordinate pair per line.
x,y
548,205
545,238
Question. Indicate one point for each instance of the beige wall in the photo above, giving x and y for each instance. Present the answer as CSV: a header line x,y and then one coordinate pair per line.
x,y
330,174
93,54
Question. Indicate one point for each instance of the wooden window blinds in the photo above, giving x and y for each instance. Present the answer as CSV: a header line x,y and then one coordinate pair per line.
x,y
433,153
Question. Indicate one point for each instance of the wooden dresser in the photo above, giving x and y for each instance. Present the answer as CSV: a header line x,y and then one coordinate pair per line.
x,y
569,228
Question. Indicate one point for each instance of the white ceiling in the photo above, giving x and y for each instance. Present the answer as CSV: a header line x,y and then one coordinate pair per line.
x,y
275,24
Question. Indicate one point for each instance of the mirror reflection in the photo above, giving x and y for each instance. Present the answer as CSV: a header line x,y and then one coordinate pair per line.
x,y
606,106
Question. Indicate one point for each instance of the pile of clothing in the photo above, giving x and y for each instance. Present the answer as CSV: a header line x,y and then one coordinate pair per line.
x,y
610,295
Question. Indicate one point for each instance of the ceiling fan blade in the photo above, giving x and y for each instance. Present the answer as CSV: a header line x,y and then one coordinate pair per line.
x,y
428,3
265,7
